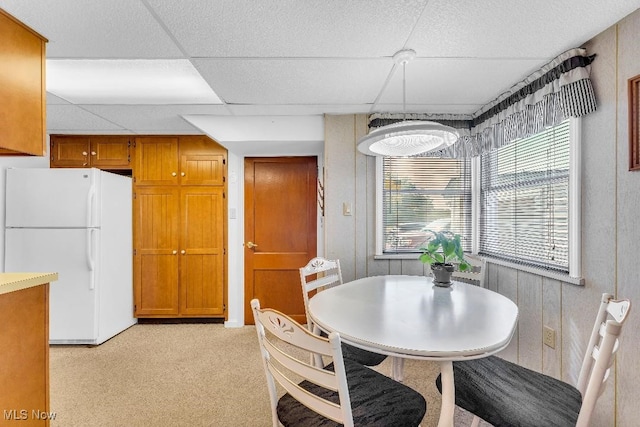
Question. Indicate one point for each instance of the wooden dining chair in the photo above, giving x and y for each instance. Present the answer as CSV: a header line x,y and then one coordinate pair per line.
x,y
505,394
321,273
476,275
342,393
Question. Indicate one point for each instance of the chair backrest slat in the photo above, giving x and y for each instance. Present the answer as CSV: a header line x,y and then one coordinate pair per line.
x,y
476,275
602,347
319,376
286,347
327,274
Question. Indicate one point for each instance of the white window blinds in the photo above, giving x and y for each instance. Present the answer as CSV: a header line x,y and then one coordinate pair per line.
x,y
421,194
524,200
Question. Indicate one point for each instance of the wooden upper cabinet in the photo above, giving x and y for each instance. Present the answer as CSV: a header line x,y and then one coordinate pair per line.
x,y
22,88
201,162
110,152
90,151
184,160
156,161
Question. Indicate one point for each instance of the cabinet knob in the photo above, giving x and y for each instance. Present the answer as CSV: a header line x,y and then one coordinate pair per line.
x,y
174,252
183,252
173,174
182,174
84,153
93,153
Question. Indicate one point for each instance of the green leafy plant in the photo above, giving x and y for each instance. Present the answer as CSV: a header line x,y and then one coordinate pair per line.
x,y
444,248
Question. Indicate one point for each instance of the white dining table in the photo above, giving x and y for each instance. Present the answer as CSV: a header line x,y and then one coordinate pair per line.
x,y
409,317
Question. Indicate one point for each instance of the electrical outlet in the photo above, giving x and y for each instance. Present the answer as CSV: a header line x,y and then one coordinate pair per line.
x,y
549,336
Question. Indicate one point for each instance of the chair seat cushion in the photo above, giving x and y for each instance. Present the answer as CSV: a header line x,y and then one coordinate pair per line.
x,y
376,400
505,394
363,357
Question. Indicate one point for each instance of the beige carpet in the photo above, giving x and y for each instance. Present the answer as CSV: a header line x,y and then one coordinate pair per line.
x,y
182,375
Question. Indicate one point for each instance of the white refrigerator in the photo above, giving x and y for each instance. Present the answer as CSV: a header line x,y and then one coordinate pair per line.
x,y
76,222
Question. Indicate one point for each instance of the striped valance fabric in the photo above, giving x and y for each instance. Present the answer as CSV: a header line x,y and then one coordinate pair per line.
x,y
559,90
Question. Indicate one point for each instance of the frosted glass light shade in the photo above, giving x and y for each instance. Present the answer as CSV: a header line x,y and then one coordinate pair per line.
x,y
407,138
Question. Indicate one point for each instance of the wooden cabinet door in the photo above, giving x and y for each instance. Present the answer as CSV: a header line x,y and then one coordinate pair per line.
x,y
24,359
202,161
156,161
202,251
69,151
202,169
22,94
156,217
110,152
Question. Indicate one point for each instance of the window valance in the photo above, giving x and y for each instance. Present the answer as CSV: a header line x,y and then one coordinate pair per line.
x,y
559,90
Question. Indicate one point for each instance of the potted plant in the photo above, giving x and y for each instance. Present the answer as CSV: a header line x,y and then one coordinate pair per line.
x,y
444,248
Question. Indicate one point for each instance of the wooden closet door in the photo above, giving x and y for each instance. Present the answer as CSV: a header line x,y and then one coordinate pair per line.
x,y
202,252
156,250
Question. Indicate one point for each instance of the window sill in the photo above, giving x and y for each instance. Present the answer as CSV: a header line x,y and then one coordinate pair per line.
x,y
562,277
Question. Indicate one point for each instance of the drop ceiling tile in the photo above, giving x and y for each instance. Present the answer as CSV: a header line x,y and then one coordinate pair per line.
x,y
288,28
296,109
301,81
52,99
61,118
513,29
95,29
153,118
456,81
261,128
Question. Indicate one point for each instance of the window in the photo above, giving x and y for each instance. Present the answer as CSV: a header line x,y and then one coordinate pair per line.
x,y
524,200
419,194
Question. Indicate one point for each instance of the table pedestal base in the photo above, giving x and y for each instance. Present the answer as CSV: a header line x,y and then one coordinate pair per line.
x,y
448,394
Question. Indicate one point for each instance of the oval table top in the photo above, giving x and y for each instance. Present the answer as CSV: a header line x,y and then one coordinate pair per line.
x,y
409,316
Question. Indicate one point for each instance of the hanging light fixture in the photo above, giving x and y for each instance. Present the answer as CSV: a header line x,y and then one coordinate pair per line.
x,y
407,138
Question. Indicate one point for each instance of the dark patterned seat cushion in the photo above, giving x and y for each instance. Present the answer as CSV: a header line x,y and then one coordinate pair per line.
x,y
363,357
505,394
376,400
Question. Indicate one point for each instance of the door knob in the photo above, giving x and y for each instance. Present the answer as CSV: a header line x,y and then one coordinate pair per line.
x,y
251,245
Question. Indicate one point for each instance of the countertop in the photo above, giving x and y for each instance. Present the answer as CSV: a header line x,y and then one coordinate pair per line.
x,y
10,282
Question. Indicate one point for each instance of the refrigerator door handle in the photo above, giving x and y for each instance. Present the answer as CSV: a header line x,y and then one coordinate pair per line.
x,y
90,257
90,202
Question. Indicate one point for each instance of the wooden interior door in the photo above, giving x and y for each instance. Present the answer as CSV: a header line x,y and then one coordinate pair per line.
x,y
280,218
